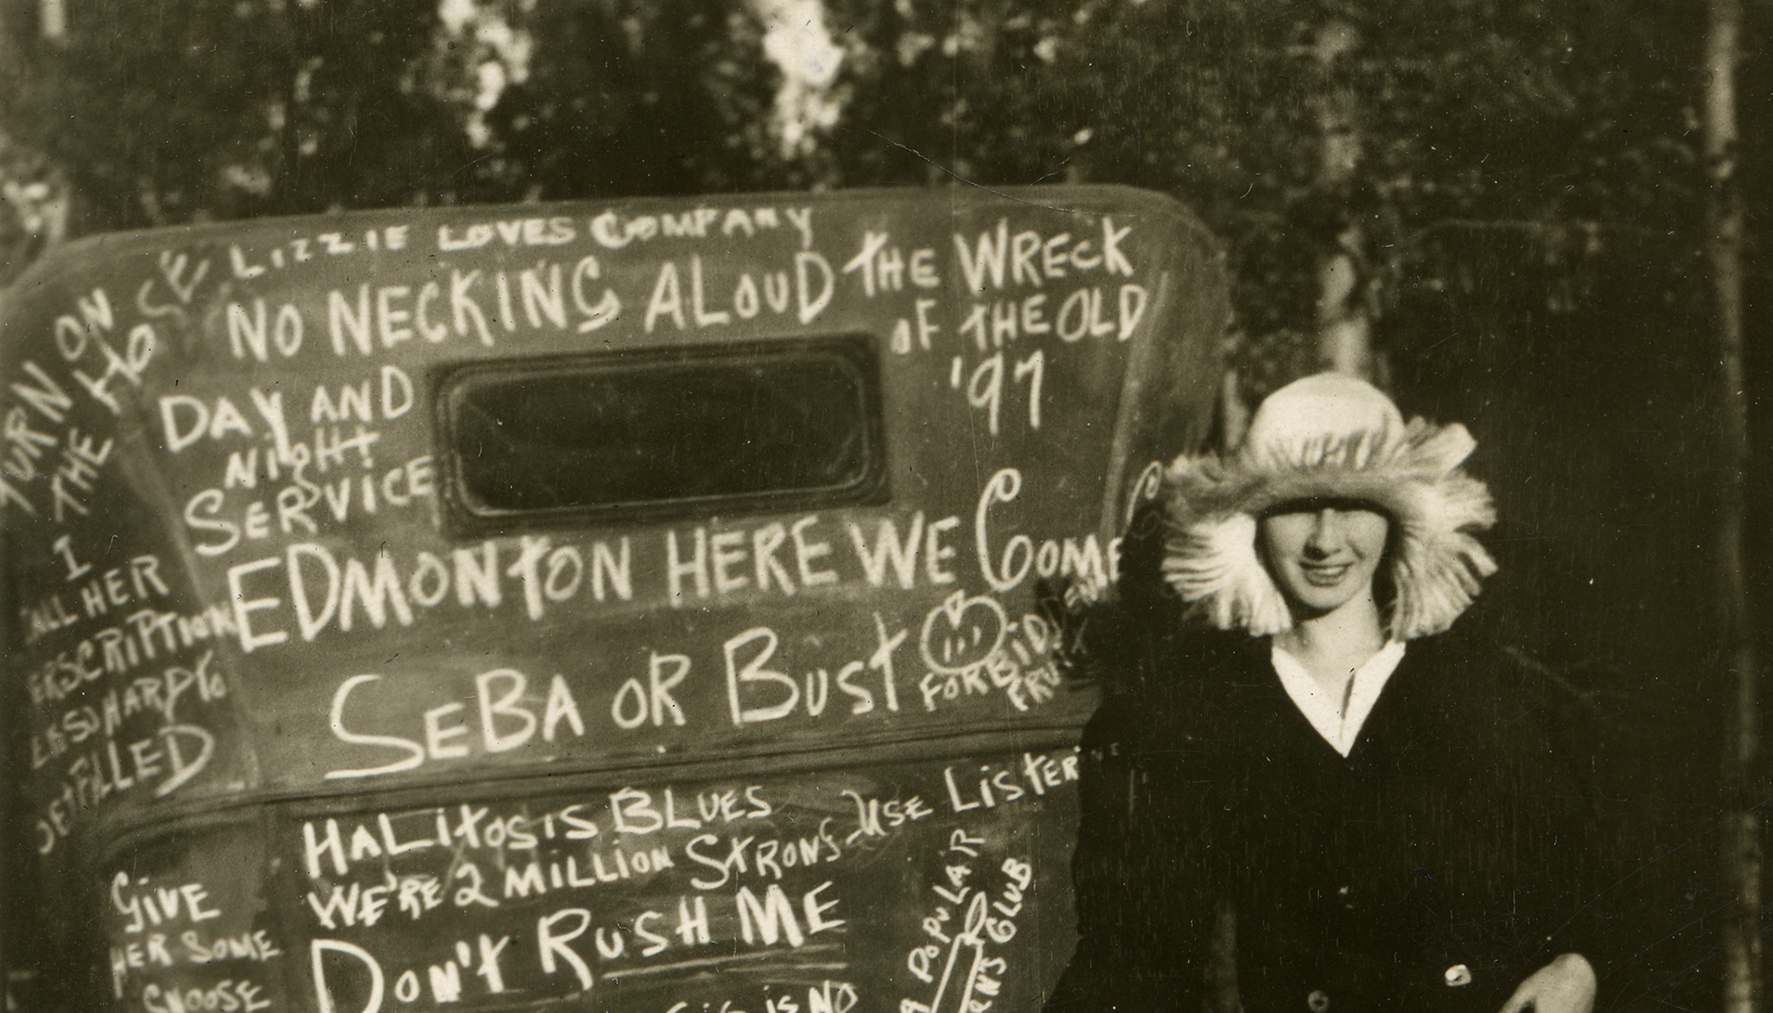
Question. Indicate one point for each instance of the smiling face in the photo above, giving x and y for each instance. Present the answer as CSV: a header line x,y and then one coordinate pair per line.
x,y
1323,553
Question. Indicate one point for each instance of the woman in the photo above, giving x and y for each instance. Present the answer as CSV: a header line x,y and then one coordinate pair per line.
x,y
1367,813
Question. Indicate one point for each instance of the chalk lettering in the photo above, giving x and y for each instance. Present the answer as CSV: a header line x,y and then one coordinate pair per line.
x,y
226,996
326,592
507,721
317,951
160,905
757,693
555,231
552,945
1018,554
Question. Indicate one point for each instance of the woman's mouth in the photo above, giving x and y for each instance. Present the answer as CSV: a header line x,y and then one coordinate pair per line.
x,y
1321,575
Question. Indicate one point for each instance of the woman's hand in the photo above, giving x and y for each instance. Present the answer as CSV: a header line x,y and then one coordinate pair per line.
x,y
1566,985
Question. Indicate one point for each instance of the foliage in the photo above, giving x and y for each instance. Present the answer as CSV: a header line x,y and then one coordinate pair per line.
x,y
631,97
162,113
1385,130
1560,124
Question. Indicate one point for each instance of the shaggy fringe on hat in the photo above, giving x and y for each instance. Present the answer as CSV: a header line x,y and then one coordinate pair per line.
x,y
1303,444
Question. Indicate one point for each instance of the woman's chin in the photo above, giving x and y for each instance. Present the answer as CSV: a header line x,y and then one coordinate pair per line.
x,y
1308,603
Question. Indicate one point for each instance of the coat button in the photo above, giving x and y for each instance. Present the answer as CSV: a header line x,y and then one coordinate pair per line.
x,y
1318,1001
1457,975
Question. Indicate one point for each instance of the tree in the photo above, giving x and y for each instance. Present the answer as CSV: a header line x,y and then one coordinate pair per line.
x,y
1360,133
233,109
1742,848
630,98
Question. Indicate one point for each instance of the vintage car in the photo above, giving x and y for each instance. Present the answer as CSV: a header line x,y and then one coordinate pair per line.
x,y
655,605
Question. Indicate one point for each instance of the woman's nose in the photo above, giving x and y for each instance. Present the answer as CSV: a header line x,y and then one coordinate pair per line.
x,y
1326,532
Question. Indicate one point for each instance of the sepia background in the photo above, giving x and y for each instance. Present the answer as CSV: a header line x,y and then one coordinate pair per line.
x,y
1504,211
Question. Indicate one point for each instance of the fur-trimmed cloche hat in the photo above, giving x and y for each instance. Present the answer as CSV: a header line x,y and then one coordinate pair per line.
x,y
1330,436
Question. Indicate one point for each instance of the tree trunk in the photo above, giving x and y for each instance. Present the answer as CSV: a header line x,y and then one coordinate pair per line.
x,y
1344,325
52,20
1741,843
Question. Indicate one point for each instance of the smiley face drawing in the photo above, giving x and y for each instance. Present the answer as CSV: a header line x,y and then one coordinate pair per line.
x,y
962,632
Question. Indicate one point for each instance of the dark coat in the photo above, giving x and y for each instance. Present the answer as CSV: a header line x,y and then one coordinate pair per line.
x,y
1453,843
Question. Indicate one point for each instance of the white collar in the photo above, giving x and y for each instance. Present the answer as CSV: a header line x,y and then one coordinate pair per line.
x,y
1338,721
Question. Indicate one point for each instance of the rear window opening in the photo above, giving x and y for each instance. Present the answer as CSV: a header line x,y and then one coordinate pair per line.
x,y
730,428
